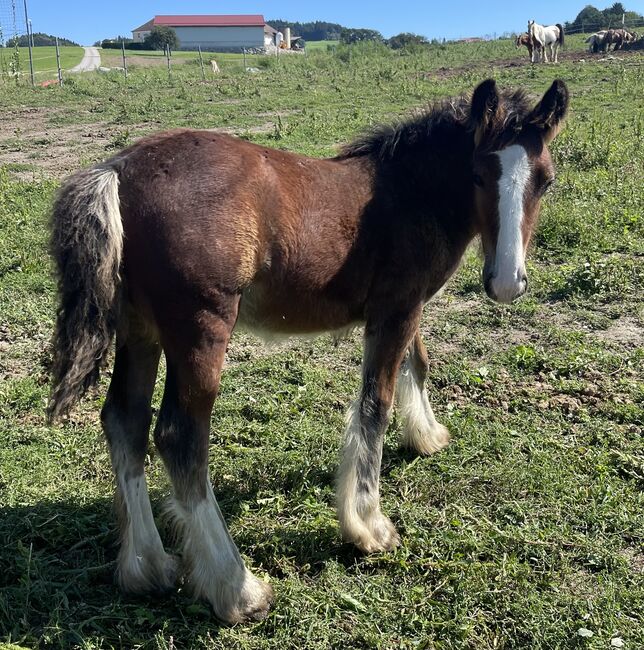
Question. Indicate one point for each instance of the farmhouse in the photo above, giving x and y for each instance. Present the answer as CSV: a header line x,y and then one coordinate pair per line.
x,y
215,33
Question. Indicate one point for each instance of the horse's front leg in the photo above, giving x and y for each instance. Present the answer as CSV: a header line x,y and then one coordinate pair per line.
x,y
421,431
358,490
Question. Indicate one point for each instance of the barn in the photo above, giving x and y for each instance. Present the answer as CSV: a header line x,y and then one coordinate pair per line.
x,y
214,33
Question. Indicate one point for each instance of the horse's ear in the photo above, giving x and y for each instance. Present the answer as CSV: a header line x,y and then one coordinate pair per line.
x,y
485,110
549,113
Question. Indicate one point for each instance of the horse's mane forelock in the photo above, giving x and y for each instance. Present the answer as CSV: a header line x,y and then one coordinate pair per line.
x,y
383,142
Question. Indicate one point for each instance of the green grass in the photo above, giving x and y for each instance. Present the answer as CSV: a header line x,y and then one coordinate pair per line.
x,y
44,58
526,530
181,54
312,46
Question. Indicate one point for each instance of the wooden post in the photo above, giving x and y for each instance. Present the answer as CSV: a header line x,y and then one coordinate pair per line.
x,y
167,56
124,59
30,42
244,52
203,72
60,73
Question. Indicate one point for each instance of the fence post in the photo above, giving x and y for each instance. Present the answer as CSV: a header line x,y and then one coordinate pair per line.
x,y
30,42
244,53
203,72
60,73
124,59
167,56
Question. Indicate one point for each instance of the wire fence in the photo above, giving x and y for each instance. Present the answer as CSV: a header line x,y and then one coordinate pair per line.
x,y
45,68
590,28
15,65
13,25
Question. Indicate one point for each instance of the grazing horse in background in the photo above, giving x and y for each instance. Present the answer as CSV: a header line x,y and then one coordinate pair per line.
x,y
176,240
551,37
525,39
617,38
596,41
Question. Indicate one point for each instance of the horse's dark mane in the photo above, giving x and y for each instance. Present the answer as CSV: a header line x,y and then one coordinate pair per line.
x,y
384,142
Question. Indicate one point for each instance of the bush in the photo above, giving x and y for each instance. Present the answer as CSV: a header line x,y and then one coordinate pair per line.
x,y
406,40
129,45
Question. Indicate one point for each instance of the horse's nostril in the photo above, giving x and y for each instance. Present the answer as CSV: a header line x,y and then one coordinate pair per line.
x,y
524,280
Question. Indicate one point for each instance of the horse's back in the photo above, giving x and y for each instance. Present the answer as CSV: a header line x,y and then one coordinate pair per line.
x,y
207,215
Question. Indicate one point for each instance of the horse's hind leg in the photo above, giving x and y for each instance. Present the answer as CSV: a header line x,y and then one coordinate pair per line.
x,y
143,565
421,431
215,570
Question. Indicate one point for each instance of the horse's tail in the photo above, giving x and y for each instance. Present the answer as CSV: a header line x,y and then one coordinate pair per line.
x,y
560,40
87,244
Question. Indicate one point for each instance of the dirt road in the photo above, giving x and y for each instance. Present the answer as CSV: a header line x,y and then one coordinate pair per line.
x,y
91,60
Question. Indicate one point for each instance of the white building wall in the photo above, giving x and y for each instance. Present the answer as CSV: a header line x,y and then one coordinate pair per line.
x,y
139,37
220,38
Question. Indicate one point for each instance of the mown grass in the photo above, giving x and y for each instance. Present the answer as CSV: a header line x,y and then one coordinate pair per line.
x,y
525,532
44,58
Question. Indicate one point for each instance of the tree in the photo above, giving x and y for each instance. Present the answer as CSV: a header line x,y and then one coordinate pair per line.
x,y
589,18
312,31
405,40
617,8
349,36
162,38
39,39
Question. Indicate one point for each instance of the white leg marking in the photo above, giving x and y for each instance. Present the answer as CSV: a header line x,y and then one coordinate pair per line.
x,y
361,520
216,571
143,564
421,430
509,262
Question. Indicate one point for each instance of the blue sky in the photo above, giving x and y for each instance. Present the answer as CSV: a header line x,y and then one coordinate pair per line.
x,y
86,21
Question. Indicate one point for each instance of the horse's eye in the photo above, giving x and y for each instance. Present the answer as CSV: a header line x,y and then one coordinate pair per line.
x,y
547,185
478,180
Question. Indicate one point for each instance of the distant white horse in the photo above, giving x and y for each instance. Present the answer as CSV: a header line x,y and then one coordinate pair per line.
x,y
542,37
596,41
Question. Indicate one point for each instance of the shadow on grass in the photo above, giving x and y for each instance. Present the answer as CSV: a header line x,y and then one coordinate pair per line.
x,y
57,562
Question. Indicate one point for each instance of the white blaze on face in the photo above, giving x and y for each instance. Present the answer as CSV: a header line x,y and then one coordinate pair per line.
x,y
509,264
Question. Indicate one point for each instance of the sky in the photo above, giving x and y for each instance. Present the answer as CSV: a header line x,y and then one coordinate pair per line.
x,y
85,21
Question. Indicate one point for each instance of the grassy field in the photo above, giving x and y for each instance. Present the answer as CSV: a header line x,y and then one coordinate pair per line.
x,y
44,59
226,60
526,533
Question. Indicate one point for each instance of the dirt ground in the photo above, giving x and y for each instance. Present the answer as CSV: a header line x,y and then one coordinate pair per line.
x,y
34,147
523,60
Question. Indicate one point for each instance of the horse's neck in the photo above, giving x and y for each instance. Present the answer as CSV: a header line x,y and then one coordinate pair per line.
x,y
434,186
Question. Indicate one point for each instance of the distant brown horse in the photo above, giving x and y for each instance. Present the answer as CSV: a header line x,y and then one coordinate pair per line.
x,y
617,38
174,241
526,40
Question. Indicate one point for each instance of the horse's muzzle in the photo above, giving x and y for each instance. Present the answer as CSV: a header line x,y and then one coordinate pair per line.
x,y
505,294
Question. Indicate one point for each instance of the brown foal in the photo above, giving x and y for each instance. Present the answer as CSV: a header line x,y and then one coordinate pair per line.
x,y
186,234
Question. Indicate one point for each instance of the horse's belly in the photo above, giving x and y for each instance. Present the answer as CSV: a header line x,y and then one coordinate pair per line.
x,y
277,314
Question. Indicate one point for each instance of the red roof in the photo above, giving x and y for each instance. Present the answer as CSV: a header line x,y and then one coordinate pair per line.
x,y
211,21
146,27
